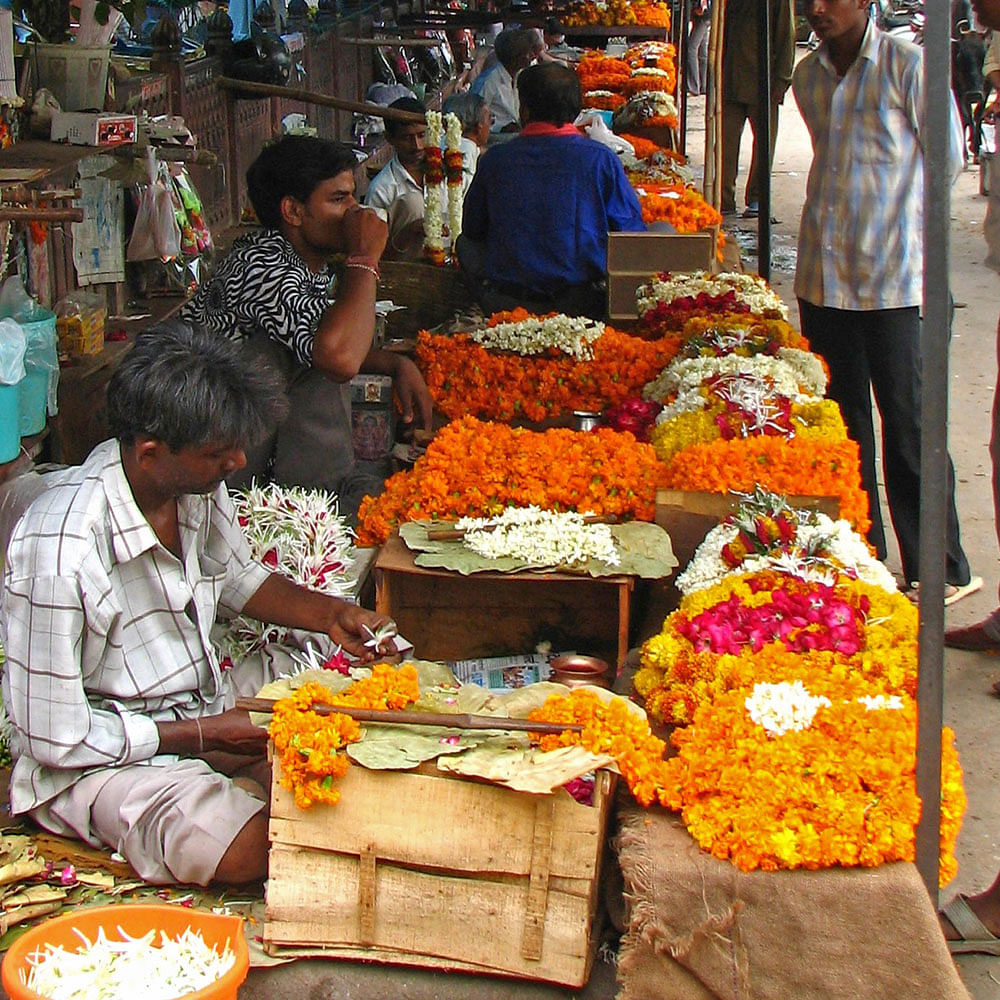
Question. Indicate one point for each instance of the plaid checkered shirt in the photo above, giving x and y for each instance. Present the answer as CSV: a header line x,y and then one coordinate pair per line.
x,y
861,236
107,632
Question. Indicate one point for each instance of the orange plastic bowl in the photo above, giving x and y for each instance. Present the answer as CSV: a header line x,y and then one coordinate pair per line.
x,y
135,919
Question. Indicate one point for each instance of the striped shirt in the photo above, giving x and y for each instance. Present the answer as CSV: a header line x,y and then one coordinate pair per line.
x,y
861,236
106,631
263,285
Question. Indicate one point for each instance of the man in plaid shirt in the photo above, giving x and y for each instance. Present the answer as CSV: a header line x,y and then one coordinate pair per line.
x,y
125,732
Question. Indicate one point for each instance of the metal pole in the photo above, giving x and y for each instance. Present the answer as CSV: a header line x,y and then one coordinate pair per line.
x,y
682,50
934,433
763,140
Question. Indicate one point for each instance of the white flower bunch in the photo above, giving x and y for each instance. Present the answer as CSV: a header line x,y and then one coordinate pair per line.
x,y
572,335
879,702
539,537
798,376
784,707
649,71
822,549
750,289
598,93
298,533
453,144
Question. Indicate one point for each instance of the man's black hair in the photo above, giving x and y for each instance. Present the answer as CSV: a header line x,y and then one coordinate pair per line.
x,y
403,104
294,165
550,93
188,388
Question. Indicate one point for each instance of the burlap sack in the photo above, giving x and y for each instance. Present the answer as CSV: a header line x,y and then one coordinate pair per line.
x,y
700,929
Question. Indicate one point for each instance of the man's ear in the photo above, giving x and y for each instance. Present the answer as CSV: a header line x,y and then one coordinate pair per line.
x,y
148,451
291,210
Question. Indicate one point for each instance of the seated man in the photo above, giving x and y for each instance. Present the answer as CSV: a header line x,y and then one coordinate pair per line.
x,y
514,50
397,190
273,292
471,111
537,214
124,730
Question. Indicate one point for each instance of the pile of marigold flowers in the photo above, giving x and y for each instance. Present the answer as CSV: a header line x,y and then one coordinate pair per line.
x,y
649,13
837,788
682,205
307,743
465,378
473,468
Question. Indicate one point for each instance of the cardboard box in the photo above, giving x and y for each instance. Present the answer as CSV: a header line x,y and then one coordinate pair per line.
x,y
91,128
634,257
453,617
420,868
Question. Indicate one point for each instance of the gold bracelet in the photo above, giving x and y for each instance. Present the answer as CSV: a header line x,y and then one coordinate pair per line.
x,y
201,737
364,267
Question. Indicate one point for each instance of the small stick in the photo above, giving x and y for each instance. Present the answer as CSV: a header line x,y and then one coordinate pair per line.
x,y
453,534
420,718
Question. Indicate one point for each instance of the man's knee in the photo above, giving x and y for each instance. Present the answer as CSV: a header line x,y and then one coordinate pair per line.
x,y
245,859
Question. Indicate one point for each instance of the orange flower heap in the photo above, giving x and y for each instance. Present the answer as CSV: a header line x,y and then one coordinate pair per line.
x,y
600,72
475,469
307,742
609,727
839,791
684,207
463,376
648,13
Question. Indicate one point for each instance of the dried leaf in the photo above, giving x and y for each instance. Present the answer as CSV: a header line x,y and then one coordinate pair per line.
x,y
532,771
100,880
401,748
32,894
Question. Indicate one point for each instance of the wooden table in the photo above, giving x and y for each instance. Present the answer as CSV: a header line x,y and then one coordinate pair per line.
x,y
448,616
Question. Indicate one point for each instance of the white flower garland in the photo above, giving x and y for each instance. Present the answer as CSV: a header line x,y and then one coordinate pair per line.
x,y
649,71
784,707
453,144
815,532
882,702
298,533
539,537
572,335
433,195
750,289
797,374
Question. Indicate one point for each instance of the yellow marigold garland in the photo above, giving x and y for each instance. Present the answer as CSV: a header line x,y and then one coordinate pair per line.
x,y
840,792
307,742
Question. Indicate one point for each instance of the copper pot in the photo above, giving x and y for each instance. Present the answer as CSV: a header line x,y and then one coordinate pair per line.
x,y
576,671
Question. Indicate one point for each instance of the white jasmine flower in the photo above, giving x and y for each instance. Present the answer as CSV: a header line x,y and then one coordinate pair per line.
x,y
572,335
750,290
881,701
784,707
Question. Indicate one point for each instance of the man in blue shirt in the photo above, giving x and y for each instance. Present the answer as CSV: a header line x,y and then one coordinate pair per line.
x,y
538,212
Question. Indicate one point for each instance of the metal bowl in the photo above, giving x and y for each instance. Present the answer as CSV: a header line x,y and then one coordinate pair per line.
x,y
585,420
575,670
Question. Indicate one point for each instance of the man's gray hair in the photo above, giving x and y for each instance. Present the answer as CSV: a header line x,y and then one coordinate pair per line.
x,y
468,107
188,388
513,44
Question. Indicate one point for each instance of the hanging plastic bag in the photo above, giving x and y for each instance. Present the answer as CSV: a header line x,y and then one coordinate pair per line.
x,y
155,233
597,129
12,347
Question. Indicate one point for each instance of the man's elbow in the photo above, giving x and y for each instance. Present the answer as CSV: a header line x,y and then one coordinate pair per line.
x,y
338,364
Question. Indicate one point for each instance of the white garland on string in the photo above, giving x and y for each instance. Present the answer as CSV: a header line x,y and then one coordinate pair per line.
x,y
453,144
433,195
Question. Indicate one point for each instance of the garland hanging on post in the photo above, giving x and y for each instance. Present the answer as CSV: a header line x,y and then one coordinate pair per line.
x,y
436,161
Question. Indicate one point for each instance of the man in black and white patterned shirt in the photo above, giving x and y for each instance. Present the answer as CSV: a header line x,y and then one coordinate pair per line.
x,y
273,292
124,730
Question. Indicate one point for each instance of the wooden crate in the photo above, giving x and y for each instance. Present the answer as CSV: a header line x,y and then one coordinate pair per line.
x,y
634,257
448,616
419,868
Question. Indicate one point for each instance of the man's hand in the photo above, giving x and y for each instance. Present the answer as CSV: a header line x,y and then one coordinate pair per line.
x,y
231,732
365,234
415,403
352,626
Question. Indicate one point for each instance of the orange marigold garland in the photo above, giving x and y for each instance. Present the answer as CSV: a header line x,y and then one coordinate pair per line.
x,y
683,206
649,13
609,727
473,468
463,376
307,743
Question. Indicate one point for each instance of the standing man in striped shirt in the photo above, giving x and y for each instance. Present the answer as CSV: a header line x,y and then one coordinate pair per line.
x,y
859,279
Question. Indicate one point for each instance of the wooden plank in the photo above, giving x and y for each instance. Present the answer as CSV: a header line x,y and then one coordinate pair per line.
x,y
533,932
475,922
410,818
